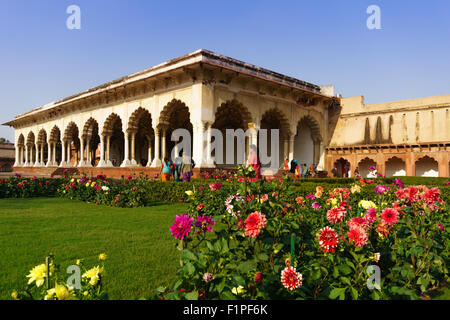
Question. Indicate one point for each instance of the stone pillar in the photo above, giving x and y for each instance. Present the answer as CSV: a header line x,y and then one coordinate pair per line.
x,y
410,164
209,160
126,161
285,150
321,165
163,144
443,164
156,163
17,155
291,148
149,157
88,153
26,155
63,154
82,162
36,155
49,155
101,162
41,160
108,152
197,141
133,149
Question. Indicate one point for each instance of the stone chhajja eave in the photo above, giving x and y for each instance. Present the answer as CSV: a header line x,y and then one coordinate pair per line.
x,y
423,146
397,110
100,94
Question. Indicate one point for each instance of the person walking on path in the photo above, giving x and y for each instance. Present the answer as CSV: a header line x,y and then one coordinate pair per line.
x,y
166,169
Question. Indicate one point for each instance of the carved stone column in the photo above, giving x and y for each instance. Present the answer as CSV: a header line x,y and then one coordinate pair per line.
x,y
133,149
126,161
156,163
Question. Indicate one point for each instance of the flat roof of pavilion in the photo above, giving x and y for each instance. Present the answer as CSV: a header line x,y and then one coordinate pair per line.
x,y
198,56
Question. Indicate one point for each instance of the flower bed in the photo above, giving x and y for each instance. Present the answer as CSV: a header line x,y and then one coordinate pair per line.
x,y
271,241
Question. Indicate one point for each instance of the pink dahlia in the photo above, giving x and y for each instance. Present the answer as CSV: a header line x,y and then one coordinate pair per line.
x,y
328,239
204,224
359,236
389,216
336,215
182,226
371,215
254,223
316,206
290,278
215,186
358,222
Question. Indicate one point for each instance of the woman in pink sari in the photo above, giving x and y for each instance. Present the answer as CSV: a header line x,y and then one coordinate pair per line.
x,y
253,160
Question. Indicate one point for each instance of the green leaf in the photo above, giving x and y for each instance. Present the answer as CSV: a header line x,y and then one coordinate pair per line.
x,y
192,295
337,292
262,257
315,274
345,269
335,272
227,295
188,255
354,293
346,281
189,268
247,266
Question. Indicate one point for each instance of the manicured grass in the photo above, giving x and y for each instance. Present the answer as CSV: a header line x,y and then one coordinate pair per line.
x,y
141,252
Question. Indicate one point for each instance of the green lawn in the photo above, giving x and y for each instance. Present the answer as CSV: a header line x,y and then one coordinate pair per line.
x,y
140,249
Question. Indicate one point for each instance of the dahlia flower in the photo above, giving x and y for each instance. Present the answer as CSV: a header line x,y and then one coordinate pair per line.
x,y
182,226
358,222
316,206
336,215
259,277
328,239
389,216
382,230
204,224
371,215
208,277
93,275
359,236
37,274
254,223
290,278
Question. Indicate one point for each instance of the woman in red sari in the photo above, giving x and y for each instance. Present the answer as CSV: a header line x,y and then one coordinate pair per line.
x,y
253,160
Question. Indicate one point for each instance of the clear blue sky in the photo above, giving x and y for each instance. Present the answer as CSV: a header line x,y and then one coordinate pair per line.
x,y
323,42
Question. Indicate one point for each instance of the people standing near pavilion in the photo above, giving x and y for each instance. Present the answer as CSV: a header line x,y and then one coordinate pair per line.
x,y
166,169
177,169
305,171
186,168
297,171
294,165
253,160
286,166
334,172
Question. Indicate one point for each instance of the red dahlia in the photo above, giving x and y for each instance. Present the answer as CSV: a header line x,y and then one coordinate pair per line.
x,y
359,236
389,216
328,239
290,278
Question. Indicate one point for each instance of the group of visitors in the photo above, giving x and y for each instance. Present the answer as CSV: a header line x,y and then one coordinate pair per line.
x,y
180,169
300,171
